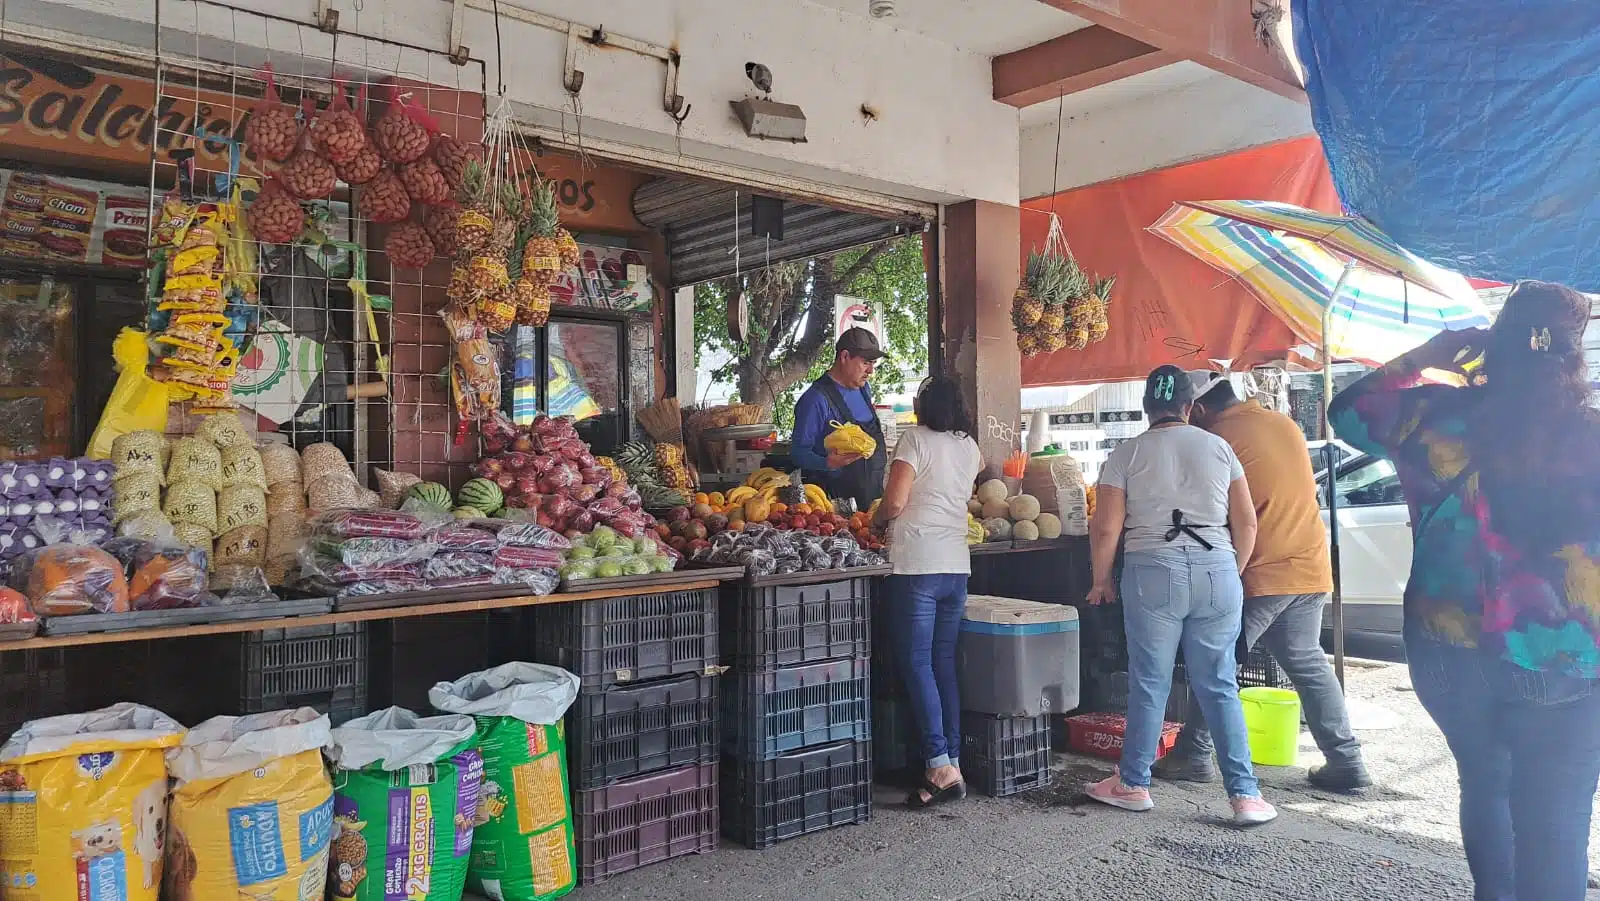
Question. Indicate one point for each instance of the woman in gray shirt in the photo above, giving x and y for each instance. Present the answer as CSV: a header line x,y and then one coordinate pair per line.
x,y
1176,498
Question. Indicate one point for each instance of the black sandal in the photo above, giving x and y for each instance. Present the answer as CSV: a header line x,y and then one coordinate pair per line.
x,y
936,795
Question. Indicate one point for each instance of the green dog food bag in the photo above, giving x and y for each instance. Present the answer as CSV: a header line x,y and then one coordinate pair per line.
x,y
522,846
405,793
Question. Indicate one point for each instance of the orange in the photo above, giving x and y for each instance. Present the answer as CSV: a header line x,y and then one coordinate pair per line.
x,y
717,500
780,507
803,509
702,498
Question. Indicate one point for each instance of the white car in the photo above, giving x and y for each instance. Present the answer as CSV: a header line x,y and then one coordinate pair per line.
x,y
1374,545
1319,459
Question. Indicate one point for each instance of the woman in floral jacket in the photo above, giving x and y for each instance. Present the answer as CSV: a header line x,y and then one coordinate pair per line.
x,y
1502,610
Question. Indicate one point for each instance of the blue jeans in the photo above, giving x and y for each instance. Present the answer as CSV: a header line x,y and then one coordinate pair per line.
x,y
1527,749
1193,598
924,623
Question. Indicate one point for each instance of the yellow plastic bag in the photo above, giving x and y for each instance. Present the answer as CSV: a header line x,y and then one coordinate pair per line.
x,y
85,805
252,809
137,401
849,438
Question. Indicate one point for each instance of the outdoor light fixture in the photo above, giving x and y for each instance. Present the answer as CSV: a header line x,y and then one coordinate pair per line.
x,y
765,118
880,9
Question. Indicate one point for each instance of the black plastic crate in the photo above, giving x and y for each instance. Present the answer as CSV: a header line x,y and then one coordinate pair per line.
x,y
1002,756
784,625
324,667
766,714
638,822
1258,670
766,802
610,641
33,685
626,730
411,655
896,743
186,678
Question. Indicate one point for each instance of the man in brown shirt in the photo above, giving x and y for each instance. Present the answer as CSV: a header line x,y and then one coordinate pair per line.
x,y
1287,582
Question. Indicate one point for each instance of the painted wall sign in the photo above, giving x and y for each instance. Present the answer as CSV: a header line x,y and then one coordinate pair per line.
x,y
592,198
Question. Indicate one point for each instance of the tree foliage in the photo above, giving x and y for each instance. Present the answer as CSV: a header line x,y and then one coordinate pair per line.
x,y
790,314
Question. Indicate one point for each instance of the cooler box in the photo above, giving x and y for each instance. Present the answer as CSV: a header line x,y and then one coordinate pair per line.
x,y
1018,658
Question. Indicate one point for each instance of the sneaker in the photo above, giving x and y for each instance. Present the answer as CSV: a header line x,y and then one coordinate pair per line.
x,y
1346,778
1112,790
1180,767
1251,810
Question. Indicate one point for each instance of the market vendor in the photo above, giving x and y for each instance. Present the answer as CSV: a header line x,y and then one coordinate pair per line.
x,y
842,395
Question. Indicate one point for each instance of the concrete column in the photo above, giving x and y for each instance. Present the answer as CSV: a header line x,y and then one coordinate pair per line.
x,y
981,272
683,332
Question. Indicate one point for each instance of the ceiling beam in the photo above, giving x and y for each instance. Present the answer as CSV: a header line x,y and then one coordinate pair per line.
x,y
1218,34
1073,62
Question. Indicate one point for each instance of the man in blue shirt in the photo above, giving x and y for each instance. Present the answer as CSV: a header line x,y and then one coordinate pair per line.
x,y
842,395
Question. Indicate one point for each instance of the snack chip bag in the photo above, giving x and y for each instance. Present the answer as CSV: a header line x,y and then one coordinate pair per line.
x,y
522,848
849,438
252,809
404,806
85,807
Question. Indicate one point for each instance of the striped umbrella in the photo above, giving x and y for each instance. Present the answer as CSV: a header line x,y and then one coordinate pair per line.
x,y
1309,268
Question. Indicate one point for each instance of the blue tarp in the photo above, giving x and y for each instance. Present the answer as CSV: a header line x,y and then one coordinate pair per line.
x,y
1468,130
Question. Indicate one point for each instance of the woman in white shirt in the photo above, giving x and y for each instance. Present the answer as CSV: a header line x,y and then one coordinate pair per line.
x,y
924,508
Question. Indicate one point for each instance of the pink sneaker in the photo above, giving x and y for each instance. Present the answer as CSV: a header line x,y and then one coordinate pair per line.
x,y
1112,790
1251,810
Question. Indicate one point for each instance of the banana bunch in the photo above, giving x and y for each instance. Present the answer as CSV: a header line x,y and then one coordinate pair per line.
x,y
772,493
818,499
740,495
766,477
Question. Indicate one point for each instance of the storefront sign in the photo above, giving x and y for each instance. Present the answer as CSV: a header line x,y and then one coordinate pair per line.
x,y
70,220
591,198
60,108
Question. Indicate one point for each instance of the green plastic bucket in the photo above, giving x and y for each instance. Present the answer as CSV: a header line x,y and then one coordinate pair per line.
x,y
1272,715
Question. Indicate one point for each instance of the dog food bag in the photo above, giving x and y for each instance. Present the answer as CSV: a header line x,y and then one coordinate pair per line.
x,y
252,809
522,844
85,805
404,801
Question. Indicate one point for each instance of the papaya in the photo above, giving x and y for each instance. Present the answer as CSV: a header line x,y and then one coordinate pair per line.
x,y
757,510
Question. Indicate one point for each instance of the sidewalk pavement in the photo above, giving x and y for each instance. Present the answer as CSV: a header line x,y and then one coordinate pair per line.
x,y
1397,840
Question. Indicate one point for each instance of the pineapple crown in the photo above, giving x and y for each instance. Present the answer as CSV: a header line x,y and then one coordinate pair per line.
x,y
1056,278
1102,288
474,180
543,214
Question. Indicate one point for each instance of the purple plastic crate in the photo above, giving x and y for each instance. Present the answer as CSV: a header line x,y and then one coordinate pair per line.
x,y
638,822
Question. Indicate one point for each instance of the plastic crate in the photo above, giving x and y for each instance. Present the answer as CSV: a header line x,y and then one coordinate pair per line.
x,y
638,822
1259,669
1100,735
185,678
33,685
1002,756
409,656
324,667
766,802
627,730
610,641
784,625
770,713
896,743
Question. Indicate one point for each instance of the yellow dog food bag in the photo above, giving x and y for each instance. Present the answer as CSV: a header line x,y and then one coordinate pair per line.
x,y
83,806
252,809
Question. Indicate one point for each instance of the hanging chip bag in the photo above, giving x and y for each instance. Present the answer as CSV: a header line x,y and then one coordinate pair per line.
x,y
86,804
252,809
405,797
522,848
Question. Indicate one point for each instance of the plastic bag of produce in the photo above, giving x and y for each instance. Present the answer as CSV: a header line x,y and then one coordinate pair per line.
x,y
168,575
405,798
252,809
338,491
225,430
527,534
343,524
134,493
286,497
86,804
146,524
534,581
241,465
193,502
392,486
67,579
324,459
191,534
244,546
522,846
281,463
360,552
849,438
239,506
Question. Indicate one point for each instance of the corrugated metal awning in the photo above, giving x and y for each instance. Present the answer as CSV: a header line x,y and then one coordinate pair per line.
x,y
703,231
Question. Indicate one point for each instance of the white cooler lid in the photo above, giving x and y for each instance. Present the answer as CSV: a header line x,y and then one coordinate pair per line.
x,y
983,608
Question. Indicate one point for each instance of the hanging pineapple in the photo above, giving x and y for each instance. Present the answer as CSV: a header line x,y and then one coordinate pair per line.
x,y
530,295
1100,322
570,254
1025,310
541,259
474,227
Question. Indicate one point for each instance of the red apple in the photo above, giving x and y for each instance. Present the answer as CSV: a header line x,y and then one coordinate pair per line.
x,y
506,481
523,443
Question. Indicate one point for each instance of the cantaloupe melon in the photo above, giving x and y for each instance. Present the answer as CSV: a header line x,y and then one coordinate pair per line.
x,y
1024,508
1049,525
1025,531
995,509
992,490
975,507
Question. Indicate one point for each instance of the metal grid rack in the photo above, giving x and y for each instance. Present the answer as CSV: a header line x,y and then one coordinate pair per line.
x,y
318,359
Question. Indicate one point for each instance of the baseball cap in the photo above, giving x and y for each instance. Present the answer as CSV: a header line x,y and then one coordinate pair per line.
x,y
1168,386
860,343
1203,380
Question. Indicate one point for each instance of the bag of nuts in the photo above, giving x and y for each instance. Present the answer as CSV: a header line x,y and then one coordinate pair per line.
x,y
273,132
404,132
336,132
276,216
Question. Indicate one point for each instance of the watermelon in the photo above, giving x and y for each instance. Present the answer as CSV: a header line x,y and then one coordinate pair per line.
x,y
432,495
468,513
481,493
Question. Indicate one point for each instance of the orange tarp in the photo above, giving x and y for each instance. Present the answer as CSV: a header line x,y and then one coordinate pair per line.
x,y
1169,307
